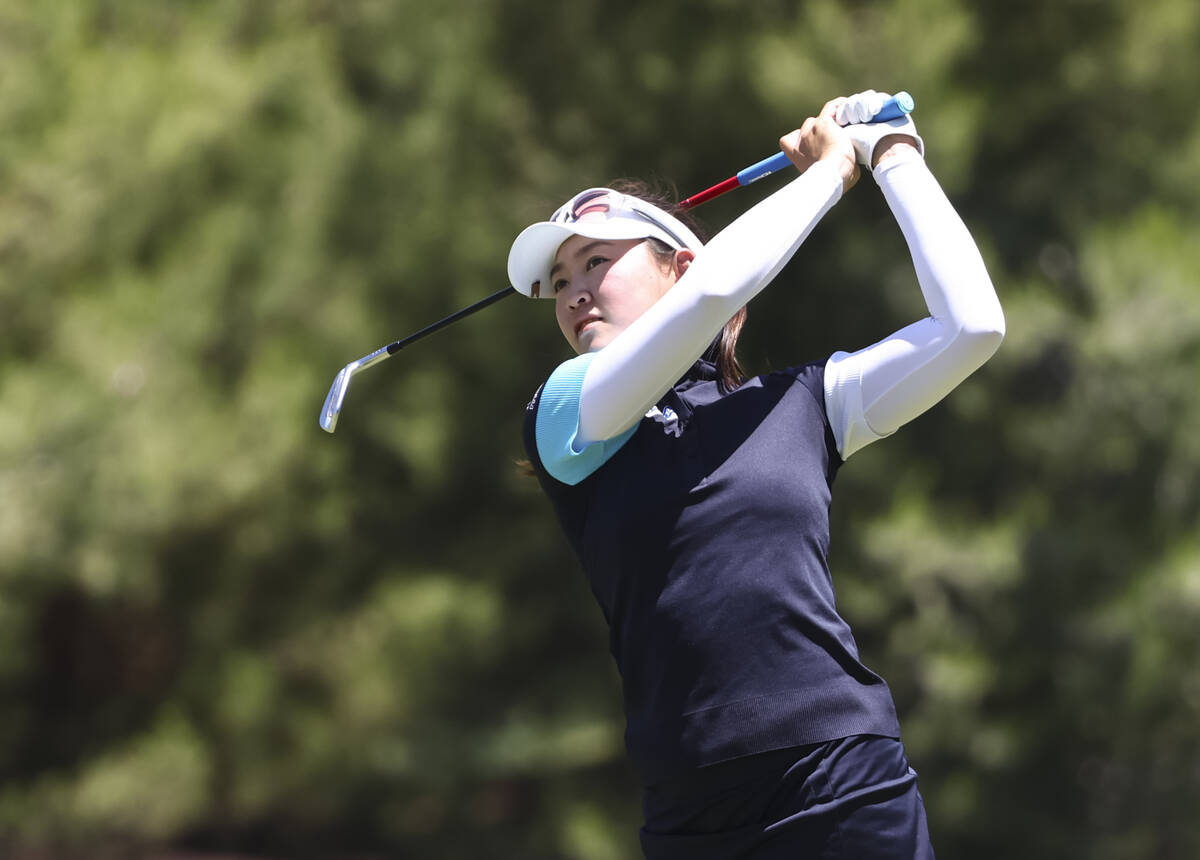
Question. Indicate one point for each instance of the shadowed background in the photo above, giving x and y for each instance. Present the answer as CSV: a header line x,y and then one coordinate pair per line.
x,y
223,631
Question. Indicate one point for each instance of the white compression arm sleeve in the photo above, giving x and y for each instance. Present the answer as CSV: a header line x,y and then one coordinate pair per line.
x,y
629,375
869,394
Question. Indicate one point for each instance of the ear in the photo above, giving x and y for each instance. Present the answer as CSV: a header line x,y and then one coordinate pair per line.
x,y
683,259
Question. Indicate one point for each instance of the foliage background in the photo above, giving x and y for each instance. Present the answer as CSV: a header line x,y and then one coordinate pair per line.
x,y
222,631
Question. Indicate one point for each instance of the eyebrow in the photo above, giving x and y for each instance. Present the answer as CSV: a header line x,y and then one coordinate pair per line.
x,y
586,249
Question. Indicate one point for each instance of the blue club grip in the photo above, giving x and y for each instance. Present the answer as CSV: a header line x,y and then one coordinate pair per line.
x,y
894,108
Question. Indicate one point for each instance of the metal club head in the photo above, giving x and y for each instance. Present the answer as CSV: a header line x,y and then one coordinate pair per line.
x,y
335,397
341,383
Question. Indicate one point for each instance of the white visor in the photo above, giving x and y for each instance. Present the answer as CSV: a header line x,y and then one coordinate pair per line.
x,y
598,213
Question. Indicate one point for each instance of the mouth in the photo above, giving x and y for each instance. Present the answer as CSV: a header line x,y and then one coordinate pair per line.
x,y
583,324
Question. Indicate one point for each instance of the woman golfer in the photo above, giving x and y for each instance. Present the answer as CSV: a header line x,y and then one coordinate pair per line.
x,y
699,507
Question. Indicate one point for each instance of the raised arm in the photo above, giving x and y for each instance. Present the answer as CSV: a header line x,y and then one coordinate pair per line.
x,y
870,393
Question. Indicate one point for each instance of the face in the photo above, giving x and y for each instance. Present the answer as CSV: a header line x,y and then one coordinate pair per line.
x,y
601,286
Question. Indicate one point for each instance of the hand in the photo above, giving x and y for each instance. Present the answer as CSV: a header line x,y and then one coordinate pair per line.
x,y
859,107
874,142
820,138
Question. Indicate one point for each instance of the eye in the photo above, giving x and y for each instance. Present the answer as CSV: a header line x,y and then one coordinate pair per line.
x,y
560,284
593,262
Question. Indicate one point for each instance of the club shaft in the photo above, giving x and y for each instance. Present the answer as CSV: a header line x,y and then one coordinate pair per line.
x,y
393,348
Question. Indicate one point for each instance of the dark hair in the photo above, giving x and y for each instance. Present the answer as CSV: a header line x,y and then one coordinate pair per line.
x,y
723,352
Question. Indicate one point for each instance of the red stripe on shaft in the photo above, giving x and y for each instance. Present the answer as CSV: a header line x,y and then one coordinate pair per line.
x,y
709,193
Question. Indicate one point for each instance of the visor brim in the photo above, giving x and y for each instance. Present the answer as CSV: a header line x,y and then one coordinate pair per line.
x,y
532,254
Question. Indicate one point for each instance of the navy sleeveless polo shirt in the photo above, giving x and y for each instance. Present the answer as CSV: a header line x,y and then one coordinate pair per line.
x,y
705,540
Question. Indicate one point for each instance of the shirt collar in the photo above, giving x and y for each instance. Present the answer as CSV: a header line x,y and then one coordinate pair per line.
x,y
702,371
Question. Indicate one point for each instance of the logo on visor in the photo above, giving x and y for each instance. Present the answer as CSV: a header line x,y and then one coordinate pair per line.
x,y
606,203
591,203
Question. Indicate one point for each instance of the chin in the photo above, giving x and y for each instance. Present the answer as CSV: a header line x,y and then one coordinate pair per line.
x,y
590,341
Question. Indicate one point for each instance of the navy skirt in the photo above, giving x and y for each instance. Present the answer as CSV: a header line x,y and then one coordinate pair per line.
x,y
855,798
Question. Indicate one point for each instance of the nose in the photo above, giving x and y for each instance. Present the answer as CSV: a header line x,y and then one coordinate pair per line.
x,y
578,300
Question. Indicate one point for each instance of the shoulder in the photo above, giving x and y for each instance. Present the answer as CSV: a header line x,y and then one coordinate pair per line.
x,y
552,435
810,376
557,399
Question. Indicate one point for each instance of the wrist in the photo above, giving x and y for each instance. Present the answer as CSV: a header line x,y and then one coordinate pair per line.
x,y
844,166
891,146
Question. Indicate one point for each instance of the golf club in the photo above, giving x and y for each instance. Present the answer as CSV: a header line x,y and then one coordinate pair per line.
x,y
341,382
898,105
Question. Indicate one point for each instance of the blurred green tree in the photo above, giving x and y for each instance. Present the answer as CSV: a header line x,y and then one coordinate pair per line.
x,y
221,629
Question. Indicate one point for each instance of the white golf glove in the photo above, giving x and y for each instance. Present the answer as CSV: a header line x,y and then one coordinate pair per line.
x,y
854,112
